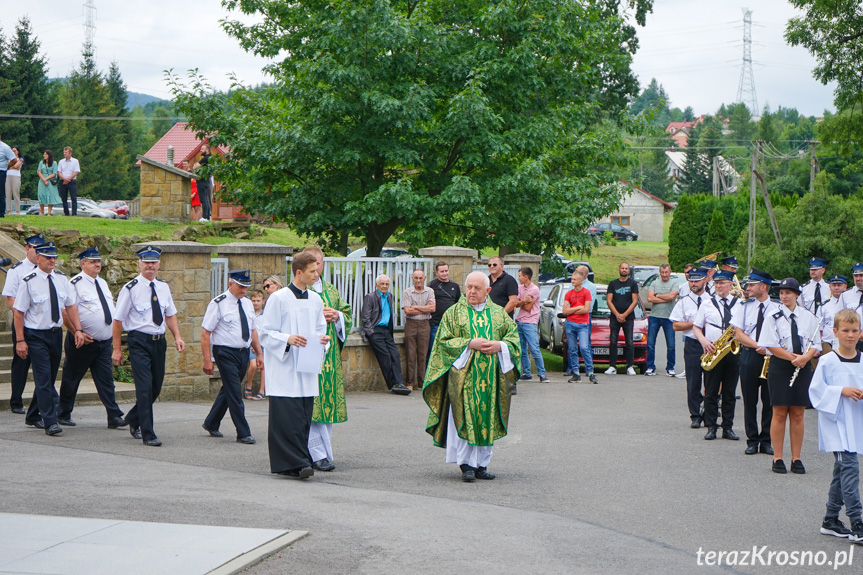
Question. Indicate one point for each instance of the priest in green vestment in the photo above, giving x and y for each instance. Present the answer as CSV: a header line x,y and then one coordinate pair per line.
x,y
330,406
471,372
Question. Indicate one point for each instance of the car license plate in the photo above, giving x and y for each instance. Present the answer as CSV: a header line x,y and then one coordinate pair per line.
x,y
600,351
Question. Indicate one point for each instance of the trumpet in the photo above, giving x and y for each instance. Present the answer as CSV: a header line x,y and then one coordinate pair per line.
x,y
808,345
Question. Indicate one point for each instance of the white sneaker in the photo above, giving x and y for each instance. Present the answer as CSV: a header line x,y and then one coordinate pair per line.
x,y
650,372
202,220
681,375
611,371
631,371
669,372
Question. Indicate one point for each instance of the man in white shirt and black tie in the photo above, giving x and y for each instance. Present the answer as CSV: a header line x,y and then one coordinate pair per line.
x,y
683,316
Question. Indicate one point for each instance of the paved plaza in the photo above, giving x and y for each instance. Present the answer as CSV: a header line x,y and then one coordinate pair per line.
x,y
604,478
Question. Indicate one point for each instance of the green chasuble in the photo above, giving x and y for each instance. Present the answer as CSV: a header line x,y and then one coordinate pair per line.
x,y
330,406
478,393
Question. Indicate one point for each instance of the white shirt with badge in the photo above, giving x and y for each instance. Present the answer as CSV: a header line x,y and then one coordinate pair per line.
x,y
222,320
745,315
686,309
14,276
776,331
135,305
826,313
807,294
850,299
34,298
709,317
90,310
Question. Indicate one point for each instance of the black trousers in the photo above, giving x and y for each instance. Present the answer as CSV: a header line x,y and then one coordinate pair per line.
x,y
751,387
629,349
288,433
45,347
147,357
66,190
233,363
20,369
204,194
692,361
384,346
723,376
96,357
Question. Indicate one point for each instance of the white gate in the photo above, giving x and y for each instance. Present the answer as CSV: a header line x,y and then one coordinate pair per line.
x,y
218,276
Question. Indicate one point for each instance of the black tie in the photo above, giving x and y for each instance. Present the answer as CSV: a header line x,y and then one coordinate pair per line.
x,y
726,316
760,321
157,309
55,305
817,298
104,303
795,337
861,299
698,303
244,323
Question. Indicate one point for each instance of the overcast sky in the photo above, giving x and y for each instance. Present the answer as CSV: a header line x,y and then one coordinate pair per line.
x,y
692,47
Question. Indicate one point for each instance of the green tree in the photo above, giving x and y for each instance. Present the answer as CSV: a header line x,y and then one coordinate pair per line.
x,y
689,114
739,123
717,235
462,122
685,234
652,97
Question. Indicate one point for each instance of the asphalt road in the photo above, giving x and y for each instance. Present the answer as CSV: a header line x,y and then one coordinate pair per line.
x,y
604,478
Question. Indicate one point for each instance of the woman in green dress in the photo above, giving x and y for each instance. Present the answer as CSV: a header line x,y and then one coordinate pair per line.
x,y
48,194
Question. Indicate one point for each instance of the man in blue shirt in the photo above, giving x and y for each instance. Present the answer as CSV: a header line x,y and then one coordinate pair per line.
x,y
377,328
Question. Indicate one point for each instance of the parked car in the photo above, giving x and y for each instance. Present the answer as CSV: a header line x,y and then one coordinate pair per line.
x,y
86,208
552,330
119,207
619,232
385,253
641,273
643,289
557,262
567,272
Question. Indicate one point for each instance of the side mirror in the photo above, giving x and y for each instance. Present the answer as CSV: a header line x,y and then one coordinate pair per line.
x,y
548,303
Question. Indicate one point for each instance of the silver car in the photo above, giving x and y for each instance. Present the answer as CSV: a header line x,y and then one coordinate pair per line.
x,y
550,328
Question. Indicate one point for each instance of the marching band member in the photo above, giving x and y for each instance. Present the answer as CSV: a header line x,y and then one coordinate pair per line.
x,y
828,310
853,298
815,292
682,317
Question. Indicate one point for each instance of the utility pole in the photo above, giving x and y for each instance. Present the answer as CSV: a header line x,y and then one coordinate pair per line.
x,y
812,165
750,252
746,87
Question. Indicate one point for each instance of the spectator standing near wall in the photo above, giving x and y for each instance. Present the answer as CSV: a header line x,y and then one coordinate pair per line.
x,y
663,295
13,183
203,183
526,321
622,298
446,293
6,156
68,169
418,303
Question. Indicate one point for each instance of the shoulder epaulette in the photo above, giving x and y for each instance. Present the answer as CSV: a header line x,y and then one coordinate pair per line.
x,y
59,273
30,277
807,283
750,300
777,315
220,298
16,265
75,280
161,280
132,283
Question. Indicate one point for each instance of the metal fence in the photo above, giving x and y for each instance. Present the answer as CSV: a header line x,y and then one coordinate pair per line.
x,y
355,277
218,276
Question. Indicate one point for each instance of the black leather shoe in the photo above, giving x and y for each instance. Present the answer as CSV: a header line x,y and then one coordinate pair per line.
x,y
301,473
116,422
482,473
779,466
514,390
696,423
751,450
18,410
729,434
400,389
468,474
768,449
135,432
323,465
213,432
797,467
54,429
711,434
153,442
38,424
574,379
248,440
66,422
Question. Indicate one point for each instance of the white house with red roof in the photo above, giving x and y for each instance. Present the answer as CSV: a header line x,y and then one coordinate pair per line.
x,y
642,212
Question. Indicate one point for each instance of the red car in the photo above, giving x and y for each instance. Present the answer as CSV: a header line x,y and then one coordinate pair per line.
x,y
119,207
600,334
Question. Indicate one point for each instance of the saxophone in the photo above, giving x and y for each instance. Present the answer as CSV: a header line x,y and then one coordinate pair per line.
x,y
724,344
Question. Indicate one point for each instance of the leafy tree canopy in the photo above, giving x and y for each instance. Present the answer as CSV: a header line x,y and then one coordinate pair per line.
x,y
464,122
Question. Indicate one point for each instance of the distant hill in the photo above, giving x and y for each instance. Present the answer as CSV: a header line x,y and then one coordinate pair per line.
x,y
137,99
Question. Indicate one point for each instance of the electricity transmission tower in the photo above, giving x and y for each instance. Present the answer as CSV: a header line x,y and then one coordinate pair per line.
x,y
746,87
89,23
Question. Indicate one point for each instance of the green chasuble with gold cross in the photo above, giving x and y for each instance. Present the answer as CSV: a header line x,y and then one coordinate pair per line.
x,y
330,406
478,393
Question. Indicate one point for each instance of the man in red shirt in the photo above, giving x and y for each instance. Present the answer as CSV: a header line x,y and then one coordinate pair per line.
x,y
576,306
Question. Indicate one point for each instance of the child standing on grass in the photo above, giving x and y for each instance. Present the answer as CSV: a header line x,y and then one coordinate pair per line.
x,y
836,392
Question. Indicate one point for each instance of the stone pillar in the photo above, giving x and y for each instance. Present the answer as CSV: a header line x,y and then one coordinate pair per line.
x,y
186,268
262,259
165,192
460,261
525,260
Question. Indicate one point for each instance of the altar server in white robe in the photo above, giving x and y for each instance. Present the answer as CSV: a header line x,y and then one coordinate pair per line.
x,y
836,391
291,317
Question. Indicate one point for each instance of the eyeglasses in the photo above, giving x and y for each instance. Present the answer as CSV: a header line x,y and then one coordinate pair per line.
x,y
492,265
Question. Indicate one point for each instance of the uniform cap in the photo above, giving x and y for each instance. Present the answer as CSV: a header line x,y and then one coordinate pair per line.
x,y
857,268
758,276
149,254
730,261
837,279
790,284
48,250
697,274
709,264
240,277
816,263
723,275
35,240
91,253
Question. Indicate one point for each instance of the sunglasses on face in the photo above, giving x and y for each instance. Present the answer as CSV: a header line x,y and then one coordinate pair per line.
x,y
492,265
268,286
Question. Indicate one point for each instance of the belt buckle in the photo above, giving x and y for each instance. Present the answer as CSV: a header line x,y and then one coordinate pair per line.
x,y
156,336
